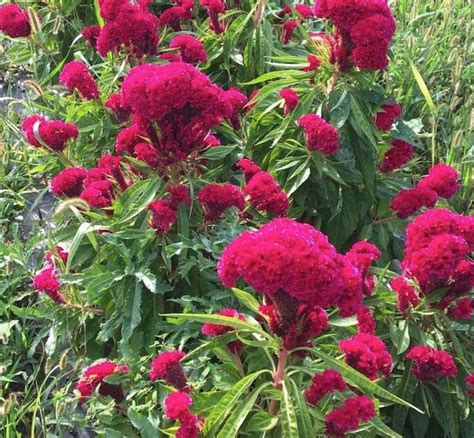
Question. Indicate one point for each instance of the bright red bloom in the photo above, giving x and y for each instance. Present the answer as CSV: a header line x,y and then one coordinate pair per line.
x,y
114,103
133,29
288,29
367,354
76,76
147,153
69,182
322,384
314,63
291,99
93,377
191,49
470,384
179,194
409,201
211,141
265,194
98,194
109,9
319,134
14,21
163,216
236,100
362,255
189,427
385,118
214,8
177,405
216,198
90,35
167,367
111,165
347,417
129,138
46,281
54,133
429,363
211,329
399,154
365,321
442,179
248,167
304,10
406,294
463,309
173,17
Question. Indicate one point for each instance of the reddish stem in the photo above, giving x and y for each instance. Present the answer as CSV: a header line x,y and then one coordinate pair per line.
x,y
278,379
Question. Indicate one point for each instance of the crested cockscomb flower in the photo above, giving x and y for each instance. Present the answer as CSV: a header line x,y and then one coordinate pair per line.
x,y
214,8
365,320
313,63
56,134
163,216
409,201
442,179
46,281
173,17
177,405
470,384
114,103
76,76
216,198
212,329
304,10
248,167
319,134
90,35
291,98
463,309
179,194
236,100
430,364
14,21
362,255
128,139
288,29
367,354
191,49
167,367
399,154
189,426
386,117
93,378
347,417
406,294
211,141
322,384
69,182
265,194
111,164
98,194
109,9
147,153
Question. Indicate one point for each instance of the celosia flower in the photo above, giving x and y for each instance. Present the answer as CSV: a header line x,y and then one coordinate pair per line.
x,y
429,363
291,99
111,166
288,29
236,100
14,21
385,118
93,377
211,141
173,17
304,10
147,153
409,201
322,384
211,329
367,354
248,167
190,48
46,281
167,367
109,9
319,134
75,76
313,62
399,154
347,417
214,8
179,194
265,194
365,321
463,309
98,194
189,427
177,405
114,103
91,34
470,384
406,294
442,179
53,133
69,182
216,198
163,216
362,255
129,138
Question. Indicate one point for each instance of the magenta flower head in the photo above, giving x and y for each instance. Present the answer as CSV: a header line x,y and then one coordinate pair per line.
x,y
167,366
322,384
319,134
76,76
55,134
430,364
69,182
217,198
14,21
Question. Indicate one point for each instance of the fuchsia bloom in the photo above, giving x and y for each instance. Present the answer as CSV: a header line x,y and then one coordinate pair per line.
x,y
463,309
399,154
314,63
214,8
54,133
248,167
147,153
211,141
173,17
409,201
385,118
69,182
429,363
177,405
319,134
291,99
46,281
362,255
265,194
348,417
442,179
236,100
179,194
470,384
93,377
211,329
90,35
111,166
76,76
216,198
366,27
406,294
163,216
14,21
167,367
114,104
367,354
365,321
129,138
98,194
191,49
304,10
288,29
322,384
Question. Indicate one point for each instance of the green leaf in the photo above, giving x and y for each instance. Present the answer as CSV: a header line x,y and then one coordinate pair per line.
x,y
261,422
218,152
305,425
384,429
133,314
143,424
84,229
406,389
246,299
289,423
148,279
340,103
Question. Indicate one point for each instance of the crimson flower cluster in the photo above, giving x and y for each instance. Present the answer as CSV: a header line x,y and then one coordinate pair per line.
x,y
319,134
214,8
406,294
46,280
210,329
76,76
399,154
384,119
177,406
217,198
365,320
363,28
174,15
303,12
430,364
14,21
322,384
167,367
462,309
291,98
191,49
54,134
